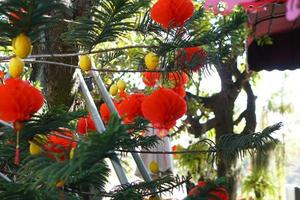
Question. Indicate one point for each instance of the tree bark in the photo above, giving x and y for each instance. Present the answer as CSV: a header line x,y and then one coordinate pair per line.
x,y
57,81
223,109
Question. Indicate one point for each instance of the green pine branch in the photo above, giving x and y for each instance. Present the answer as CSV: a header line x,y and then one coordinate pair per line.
x,y
138,190
30,16
233,146
106,21
52,120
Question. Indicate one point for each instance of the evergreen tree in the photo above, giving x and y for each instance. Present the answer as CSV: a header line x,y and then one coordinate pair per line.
x,y
59,30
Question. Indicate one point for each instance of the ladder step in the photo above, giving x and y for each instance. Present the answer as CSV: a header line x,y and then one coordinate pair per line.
x,y
100,126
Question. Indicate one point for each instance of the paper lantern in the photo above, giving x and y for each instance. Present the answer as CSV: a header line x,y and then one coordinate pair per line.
x,y
192,58
163,107
58,146
85,124
151,78
1,76
180,90
130,108
269,19
122,95
178,78
172,13
19,100
104,111
211,194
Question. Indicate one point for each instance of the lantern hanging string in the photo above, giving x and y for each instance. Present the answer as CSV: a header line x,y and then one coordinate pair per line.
x,y
143,152
167,152
99,70
85,53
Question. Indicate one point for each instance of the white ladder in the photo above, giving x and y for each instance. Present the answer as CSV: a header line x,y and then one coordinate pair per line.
x,y
100,125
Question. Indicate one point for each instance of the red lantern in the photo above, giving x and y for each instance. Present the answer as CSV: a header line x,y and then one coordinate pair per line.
x,y
151,78
1,75
192,58
19,100
219,192
85,124
130,108
105,113
122,95
178,78
172,13
180,90
58,146
163,107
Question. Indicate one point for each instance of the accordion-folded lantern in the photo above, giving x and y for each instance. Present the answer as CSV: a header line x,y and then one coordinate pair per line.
x,y
270,19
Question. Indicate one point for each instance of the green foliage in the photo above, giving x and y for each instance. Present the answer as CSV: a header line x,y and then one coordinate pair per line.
x,y
260,183
106,21
232,146
137,190
31,17
264,40
19,191
87,169
54,119
196,164
224,39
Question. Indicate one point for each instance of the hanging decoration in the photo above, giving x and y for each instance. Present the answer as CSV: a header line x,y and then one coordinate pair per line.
x,y
209,191
130,108
172,13
151,61
162,108
178,78
85,124
85,63
1,76
178,81
15,67
191,58
59,147
105,113
22,45
151,78
19,101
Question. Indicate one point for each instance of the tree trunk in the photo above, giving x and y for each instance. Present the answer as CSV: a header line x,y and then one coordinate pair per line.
x,y
223,108
223,111
57,81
